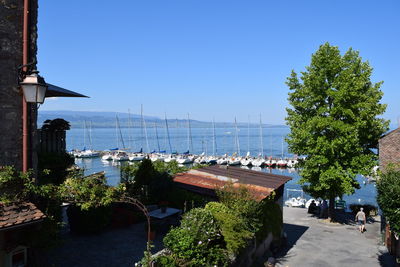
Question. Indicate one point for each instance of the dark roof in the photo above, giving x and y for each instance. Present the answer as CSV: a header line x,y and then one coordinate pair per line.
x,y
56,91
205,180
15,215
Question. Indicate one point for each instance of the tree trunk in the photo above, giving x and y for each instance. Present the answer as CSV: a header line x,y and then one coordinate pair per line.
x,y
331,211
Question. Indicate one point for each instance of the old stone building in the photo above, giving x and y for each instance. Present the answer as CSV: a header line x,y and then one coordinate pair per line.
x,y
389,148
11,58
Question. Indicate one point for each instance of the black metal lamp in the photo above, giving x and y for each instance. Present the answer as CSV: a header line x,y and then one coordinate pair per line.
x,y
34,87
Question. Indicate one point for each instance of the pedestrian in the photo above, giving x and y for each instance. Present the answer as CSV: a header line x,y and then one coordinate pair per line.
x,y
361,220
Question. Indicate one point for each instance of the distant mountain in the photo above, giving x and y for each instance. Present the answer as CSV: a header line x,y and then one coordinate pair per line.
x,y
107,120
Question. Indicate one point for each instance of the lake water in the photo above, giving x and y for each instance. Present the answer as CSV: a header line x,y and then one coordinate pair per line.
x,y
202,141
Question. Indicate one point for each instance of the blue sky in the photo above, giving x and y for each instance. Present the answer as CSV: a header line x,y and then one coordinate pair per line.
x,y
211,58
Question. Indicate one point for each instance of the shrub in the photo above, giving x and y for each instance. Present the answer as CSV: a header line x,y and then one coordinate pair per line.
x,y
388,187
233,227
242,203
271,218
198,241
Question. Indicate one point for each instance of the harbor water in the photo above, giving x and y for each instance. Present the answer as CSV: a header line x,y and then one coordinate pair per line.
x,y
201,140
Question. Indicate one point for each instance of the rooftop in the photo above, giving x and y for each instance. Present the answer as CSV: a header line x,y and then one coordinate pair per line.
x,y
15,215
205,180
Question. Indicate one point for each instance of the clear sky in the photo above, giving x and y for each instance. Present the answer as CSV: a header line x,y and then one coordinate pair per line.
x,y
209,58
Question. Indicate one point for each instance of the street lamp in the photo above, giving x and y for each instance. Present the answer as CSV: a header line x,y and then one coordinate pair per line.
x,y
34,87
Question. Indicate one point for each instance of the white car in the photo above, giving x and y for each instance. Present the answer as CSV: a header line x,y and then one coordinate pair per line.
x,y
296,202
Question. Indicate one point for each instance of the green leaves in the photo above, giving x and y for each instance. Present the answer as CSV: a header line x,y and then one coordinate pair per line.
x,y
388,187
334,120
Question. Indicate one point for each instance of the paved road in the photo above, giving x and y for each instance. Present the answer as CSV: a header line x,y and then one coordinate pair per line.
x,y
313,242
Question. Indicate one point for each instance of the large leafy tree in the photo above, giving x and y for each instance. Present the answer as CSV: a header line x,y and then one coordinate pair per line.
x,y
334,121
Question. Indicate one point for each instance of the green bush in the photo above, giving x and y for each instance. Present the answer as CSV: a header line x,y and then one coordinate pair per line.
x,y
242,203
388,187
233,227
198,241
271,218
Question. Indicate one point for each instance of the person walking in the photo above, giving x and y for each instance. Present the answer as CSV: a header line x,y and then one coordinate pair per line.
x,y
361,220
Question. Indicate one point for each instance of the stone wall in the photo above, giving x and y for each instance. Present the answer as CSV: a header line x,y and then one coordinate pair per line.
x,y
11,27
389,149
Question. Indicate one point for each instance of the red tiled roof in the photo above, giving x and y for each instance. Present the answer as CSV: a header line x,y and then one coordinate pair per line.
x,y
12,215
206,180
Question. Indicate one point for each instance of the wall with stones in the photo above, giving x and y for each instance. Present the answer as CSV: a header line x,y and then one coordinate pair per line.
x,y
11,27
389,149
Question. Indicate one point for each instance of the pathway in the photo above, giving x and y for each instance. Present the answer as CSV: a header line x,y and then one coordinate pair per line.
x,y
313,242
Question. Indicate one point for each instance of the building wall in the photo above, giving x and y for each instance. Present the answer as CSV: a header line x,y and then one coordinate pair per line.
x,y
11,27
389,149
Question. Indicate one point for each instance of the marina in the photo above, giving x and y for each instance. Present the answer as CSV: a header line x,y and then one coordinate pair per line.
x,y
203,148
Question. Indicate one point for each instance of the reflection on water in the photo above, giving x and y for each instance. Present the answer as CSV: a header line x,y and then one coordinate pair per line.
x,y
366,193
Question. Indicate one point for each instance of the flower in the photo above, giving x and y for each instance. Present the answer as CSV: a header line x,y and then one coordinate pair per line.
x,y
200,242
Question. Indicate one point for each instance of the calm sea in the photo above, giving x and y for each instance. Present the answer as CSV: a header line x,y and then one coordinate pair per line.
x,y
202,140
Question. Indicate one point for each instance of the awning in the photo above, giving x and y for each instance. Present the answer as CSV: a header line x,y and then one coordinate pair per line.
x,y
55,91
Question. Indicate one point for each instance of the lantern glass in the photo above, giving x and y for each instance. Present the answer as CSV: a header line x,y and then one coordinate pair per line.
x,y
34,88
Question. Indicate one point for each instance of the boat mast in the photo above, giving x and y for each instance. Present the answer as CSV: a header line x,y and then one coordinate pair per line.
x,y
130,129
261,139
248,134
120,132
158,141
145,131
90,135
167,129
84,135
190,141
214,139
237,139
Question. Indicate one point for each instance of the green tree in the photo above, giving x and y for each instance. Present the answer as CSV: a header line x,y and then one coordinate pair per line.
x,y
388,187
334,121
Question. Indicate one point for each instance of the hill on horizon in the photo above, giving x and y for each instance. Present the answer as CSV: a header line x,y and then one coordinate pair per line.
x,y
103,119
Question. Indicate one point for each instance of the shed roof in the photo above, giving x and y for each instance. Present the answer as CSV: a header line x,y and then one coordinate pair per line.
x,y
19,214
205,180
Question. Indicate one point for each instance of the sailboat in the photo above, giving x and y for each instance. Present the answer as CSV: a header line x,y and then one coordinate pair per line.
x,y
170,157
235,160
258,162
87,153
120,155
213,159
246,161
281,162
185,158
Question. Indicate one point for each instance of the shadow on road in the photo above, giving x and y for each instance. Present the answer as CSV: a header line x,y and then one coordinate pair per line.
x,y
293,233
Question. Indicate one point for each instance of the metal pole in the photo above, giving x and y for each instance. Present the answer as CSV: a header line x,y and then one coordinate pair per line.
x,y
25,126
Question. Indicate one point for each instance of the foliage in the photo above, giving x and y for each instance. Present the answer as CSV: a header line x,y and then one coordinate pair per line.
x,y
198,240
334,121
271,218
166,261
89,192
233,227
388,187
52,167
147,181
242,203
15,186
56,125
